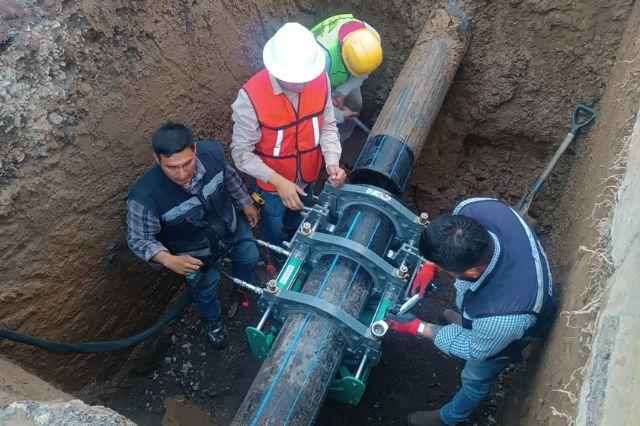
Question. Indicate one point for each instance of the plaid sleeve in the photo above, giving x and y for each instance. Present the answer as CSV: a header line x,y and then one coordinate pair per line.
x,y
143,226
487,337
235,187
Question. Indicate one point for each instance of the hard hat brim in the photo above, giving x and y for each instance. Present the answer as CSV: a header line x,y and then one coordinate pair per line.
x,y
355,73
293,75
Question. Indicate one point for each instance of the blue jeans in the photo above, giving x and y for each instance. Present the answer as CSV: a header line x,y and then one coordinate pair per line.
x,y
477,378
278,222
205,287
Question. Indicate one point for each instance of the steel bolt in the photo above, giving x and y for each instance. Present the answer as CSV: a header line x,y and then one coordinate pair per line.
x,y
306,228
272,287
423,219
379,329
401,272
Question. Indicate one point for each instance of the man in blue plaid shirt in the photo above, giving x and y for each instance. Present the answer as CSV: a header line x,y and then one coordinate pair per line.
x,y
180,216
504,292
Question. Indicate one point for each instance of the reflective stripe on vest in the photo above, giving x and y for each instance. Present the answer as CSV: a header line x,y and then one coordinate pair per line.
x,y
518,280
541,273
276,149
191,224
316,130
290,139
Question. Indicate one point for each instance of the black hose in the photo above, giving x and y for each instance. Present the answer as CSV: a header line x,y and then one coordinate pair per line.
x,y
119,344
97,347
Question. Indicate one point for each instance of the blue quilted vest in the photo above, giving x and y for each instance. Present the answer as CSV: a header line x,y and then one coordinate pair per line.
x,y
519,283
198,225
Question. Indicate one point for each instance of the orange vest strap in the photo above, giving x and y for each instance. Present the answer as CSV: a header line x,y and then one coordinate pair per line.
x,y
275,112
289,142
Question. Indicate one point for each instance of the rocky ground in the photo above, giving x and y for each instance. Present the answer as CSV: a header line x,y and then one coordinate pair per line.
x,y
72,413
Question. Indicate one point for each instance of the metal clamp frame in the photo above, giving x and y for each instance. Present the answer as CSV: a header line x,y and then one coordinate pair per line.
x,y
390,272
358,335
406,223
381,271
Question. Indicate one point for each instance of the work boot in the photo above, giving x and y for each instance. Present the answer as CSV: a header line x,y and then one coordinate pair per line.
x,y
449,316
216,332
425,418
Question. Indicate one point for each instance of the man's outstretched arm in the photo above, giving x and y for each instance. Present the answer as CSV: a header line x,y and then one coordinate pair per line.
x,y
142,227
487,337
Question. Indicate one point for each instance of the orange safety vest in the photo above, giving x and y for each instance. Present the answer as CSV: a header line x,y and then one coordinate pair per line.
x,y
290,142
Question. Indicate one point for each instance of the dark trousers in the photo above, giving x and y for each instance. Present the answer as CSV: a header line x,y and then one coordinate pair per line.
x,y
244,257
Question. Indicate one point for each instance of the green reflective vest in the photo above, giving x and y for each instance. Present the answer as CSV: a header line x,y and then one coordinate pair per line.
x,y
326,33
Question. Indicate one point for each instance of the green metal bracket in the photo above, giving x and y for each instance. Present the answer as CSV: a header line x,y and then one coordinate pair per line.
x,y
346,388
375,311
366,317
302,277
288,273
384,306
259,342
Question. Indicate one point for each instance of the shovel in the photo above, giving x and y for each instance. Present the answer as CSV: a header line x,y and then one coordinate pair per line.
x,y
362,126
582,115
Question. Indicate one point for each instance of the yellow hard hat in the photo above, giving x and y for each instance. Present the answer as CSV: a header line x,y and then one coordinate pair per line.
x,y
361,52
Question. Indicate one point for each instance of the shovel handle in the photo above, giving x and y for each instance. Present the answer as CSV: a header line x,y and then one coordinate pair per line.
x,y
360,124
588,115
578,123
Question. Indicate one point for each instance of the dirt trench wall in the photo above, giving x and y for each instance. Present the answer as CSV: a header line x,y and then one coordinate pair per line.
x,y
611,374
528,64
83,85
18,385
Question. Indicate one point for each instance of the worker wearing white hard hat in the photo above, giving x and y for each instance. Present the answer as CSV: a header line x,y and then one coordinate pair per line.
x,y
292,55
284,129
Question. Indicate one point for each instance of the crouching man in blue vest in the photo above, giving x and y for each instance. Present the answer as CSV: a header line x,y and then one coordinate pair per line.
x,y
180,216
503,290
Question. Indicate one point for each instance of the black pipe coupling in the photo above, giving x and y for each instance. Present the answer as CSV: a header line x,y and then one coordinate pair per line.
x,y
386,162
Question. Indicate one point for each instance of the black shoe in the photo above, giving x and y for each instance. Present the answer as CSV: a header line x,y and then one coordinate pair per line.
x,y
425,418
216,332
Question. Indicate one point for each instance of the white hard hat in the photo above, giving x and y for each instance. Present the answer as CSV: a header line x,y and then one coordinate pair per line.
x,y
293,55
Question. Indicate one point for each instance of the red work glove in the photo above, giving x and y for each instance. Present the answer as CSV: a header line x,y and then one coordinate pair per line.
x,y
410,327
423,278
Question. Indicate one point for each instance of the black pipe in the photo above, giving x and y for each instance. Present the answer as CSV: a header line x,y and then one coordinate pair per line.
x,y
386,162
308,349
399,133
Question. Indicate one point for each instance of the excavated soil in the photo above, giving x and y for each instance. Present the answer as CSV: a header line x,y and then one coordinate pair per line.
x,y
84,85
89,81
